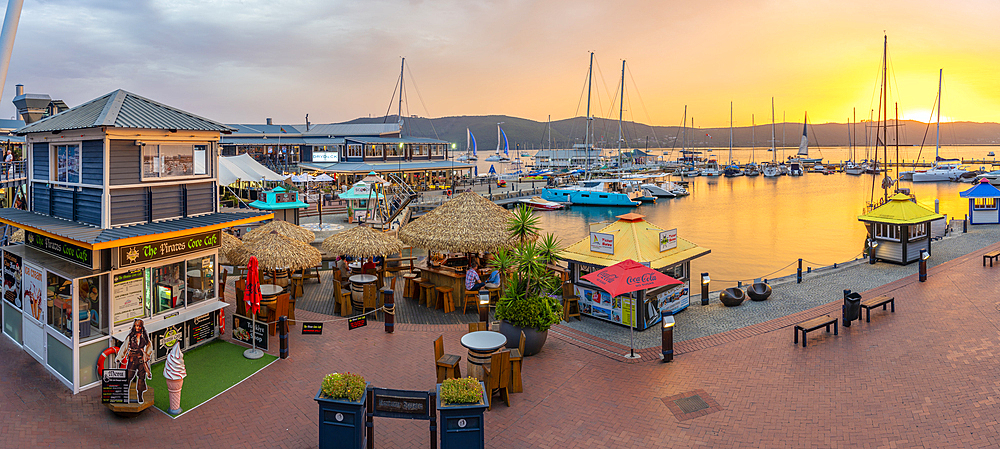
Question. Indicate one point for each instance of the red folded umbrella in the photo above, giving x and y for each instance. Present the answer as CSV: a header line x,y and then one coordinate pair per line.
x,y
252,294
628,276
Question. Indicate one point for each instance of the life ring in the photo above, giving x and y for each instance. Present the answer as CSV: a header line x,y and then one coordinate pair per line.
x,y
113,351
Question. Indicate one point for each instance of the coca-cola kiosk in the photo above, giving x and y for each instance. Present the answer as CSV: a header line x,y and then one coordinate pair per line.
x,y
632,237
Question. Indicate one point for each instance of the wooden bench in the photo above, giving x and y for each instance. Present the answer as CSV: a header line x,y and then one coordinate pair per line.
x,y
870,304
991,257
813,324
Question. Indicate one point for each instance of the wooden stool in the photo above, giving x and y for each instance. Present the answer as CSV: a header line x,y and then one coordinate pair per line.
x,y
410,284
427,294
471,298
445,299
494,295
571,308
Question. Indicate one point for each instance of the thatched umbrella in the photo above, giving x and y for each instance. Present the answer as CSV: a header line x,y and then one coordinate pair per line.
x,y
17,236
467,223
229,242
362,241
284,228
275,251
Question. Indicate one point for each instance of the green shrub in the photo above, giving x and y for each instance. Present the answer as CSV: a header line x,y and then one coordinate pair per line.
x,y
343,386
461,391
537,312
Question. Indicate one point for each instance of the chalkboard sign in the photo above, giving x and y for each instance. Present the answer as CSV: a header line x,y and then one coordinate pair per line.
x,y
242,333
114,386
312,328
201,328
356,322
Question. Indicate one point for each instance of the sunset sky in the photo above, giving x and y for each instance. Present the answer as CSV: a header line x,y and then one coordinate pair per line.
x,y
242,61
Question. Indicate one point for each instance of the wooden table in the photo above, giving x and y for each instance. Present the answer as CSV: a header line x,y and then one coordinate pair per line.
x,y
270,290
358,282
481,345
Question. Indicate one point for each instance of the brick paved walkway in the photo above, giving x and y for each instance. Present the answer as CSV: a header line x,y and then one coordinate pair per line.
x,y
922,377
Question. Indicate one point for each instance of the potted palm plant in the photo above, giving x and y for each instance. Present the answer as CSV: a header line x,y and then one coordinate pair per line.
x,y
526,304
341,401
462,403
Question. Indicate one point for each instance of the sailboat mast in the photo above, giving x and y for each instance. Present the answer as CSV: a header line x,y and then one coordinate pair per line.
x,y
753,136
885,110
897,140
937,144
550,132
854,130
730,132
399,110
621,110
586,138
774,152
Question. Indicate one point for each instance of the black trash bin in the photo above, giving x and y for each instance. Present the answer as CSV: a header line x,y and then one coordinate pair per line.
x,y
852,307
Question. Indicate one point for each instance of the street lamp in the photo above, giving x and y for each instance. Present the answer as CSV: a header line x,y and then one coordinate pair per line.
x,y
871,252
924,255
704,288
668,338
484,305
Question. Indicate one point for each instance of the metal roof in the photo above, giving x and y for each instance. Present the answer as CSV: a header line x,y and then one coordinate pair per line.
x,y
292,139
900,209
362,139
352,129
636,239
982,190
93,235
356,167
122,109
264,129
7,123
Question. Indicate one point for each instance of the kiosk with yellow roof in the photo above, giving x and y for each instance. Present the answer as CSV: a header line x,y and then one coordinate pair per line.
x,y
632,237
898,230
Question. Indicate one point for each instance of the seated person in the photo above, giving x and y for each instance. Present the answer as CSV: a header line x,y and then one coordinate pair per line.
x,y
342,266
368,265
494,280
472,281
437,259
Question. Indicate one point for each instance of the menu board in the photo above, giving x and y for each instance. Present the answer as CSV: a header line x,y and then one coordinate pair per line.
x,y
114,386
674,299
127,294
201,328
165,339
12,278
242,333
33,281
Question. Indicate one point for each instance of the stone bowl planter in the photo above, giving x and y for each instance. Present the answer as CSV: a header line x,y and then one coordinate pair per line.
x,y
732,297
533,339
759,291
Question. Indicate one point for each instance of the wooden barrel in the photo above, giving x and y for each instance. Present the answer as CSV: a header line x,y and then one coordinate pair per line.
x,y
479,358
357,296
281,278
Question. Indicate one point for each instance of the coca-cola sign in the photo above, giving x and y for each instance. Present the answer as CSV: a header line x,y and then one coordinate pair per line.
x,y
646,279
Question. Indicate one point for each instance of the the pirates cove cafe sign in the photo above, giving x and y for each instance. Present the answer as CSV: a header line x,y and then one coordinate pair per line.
x,y
59,248
163,249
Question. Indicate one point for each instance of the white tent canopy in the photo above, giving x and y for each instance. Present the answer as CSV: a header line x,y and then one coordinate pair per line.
x,y
323,177
244,168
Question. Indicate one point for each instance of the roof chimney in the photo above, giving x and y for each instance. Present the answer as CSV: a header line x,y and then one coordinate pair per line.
x,y
268,120
19,90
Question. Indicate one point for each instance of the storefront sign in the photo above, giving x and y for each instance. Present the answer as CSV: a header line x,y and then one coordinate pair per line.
x,y
326,156
312,328
201,328
33,279
165,339
12,279
59,248
126,296
114,386
602,243
668,240
241,331
162,249
401,403
356,322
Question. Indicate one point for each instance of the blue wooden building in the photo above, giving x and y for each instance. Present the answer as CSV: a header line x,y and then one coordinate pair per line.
x,y
983,198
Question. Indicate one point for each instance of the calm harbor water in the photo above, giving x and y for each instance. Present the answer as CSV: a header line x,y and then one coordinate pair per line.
x,y
756,226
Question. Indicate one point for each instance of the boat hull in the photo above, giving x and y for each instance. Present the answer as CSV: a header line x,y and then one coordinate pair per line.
x,y
588,198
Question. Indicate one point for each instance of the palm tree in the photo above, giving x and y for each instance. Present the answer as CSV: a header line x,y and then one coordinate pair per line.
x,y
524,224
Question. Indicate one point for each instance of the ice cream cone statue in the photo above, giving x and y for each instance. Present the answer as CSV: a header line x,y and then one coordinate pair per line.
x,y
174,372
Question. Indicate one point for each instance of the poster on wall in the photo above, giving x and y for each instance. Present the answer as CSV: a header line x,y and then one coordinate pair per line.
x,y
33,283
602,243
599,304
668,240
165,339
674,299
127,295
201,328
12,278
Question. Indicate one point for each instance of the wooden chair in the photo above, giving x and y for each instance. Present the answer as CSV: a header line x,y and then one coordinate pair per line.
x,y
341,299
571,302
370,296
446,365
298,279
516,355
280,309
479,326
498,377
241,304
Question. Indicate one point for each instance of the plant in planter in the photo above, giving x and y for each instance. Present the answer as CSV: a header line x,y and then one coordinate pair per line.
x,y
525,303
341,400
462,403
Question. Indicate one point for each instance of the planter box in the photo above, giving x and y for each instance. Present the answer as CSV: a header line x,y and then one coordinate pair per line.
x,y
462,425
341,422
533,339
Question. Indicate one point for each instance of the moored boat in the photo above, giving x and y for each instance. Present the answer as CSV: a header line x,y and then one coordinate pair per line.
x,y
539,203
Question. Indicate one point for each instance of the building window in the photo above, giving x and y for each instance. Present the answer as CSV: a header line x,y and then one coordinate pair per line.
x,y
354,150
438,149
60,299
168,287
418,150
373,150
67,163
984,204
886,231
93,308
201,279
169,160
918,231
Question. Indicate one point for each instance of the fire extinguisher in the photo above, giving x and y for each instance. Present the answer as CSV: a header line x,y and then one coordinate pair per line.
x,y
222,322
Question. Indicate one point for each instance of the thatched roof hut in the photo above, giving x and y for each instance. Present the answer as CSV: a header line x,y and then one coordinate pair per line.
x,y
362,241
229,242
275,251
16,237
284,228
466,223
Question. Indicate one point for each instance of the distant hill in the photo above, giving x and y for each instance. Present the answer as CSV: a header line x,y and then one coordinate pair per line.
x,y
529,134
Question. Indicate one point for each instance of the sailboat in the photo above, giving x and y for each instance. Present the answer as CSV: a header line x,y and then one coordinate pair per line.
x,y
751,168
501,142
852,167
733,169
470,148
771,168
943,169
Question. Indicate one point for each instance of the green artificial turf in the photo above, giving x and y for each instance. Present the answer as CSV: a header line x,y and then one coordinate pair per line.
x,y
211,369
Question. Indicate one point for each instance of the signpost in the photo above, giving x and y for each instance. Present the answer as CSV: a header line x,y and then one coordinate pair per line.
x,y
401,404
114,386
356,322
668,240
242,333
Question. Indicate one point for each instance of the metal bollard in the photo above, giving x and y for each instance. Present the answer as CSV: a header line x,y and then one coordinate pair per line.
x,y
798,273
704,288
390,309
283,337
965,224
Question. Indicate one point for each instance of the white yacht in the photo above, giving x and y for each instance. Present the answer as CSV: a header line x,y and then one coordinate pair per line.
x,y
943,170
666,190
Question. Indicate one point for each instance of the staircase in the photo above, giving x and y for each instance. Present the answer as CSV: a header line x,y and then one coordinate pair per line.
x,y
397,196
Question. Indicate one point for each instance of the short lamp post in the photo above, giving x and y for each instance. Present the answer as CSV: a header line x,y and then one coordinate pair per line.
x,y
871,252
484,305
704,289
924,255
668,338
